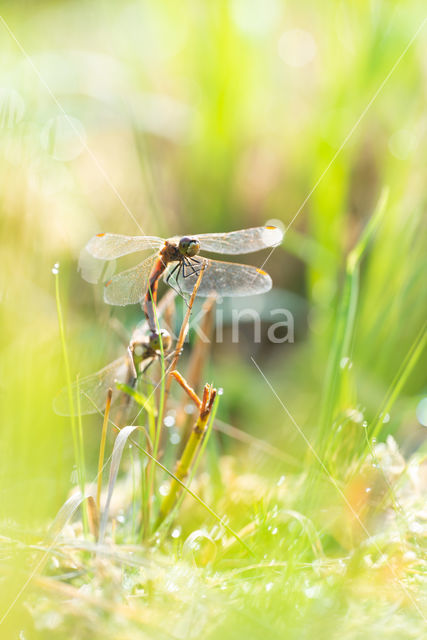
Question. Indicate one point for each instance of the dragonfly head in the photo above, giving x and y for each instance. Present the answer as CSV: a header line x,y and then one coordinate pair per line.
x,y
154,340
189,247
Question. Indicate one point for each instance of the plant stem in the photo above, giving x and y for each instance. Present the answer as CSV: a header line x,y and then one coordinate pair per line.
x,y
184,464
102,449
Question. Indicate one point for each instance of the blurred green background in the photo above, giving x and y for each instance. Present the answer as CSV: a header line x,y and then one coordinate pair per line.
x,y
199,117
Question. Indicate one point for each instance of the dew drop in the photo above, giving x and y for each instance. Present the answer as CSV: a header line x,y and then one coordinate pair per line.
x,y
281,480
355,415
164,489
269,586
368,489
274,531
199,547
169,421
386,418
176,532
364,424
175,438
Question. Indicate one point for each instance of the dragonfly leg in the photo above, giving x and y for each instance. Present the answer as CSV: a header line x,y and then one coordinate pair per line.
x,y
188,263
179,268
174,353
132,364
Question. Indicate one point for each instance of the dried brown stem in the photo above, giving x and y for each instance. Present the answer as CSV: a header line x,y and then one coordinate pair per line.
x,y
189,390
183,332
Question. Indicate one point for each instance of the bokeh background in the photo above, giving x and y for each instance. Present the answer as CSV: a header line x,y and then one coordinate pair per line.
x,y
199,117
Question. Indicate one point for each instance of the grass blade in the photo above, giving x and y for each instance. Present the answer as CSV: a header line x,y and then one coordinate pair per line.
x,y
116,457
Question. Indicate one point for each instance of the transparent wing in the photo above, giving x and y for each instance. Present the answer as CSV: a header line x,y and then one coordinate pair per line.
x,y
244,241
129,287
224,279
94,270
107,246
92,390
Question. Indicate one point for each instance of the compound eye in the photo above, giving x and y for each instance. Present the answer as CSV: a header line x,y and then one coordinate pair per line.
x,y
155,340
189,246
166,340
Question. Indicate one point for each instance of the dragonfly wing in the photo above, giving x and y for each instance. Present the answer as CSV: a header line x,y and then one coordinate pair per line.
x,y
129,287
108,246
244,241
225,279
91,392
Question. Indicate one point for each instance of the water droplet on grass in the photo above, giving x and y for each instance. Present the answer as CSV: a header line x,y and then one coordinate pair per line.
x,y
169,421
269,586
199,547
164,489
281,481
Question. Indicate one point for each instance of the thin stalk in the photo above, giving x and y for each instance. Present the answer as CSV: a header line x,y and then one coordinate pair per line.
x,y
187,388
400,378
199,455
190,451
82,473
344,325
184,329
55,271
158,429
102,448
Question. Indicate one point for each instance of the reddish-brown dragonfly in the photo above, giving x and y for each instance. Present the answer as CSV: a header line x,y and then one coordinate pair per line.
x,y
89,394
178,260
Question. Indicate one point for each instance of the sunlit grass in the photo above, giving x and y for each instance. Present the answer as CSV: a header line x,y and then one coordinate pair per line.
x,y
196,120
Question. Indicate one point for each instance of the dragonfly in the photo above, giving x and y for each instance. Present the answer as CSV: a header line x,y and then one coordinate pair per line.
x,y
178,260
90,393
